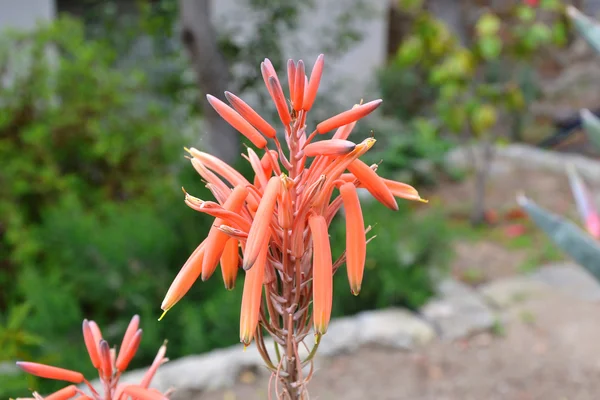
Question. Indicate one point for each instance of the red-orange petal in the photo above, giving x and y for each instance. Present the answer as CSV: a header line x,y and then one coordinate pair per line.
x,y
132,329
63,394
126,354
237,121
347,117
279,100
259,231
356,243
403,191
251,297
298,97
291,73
373,183
322,274
250,115
343,132
158,361
313,84
188,274
331,147
230,261
106,367
216,240
49,372
141,393
90,344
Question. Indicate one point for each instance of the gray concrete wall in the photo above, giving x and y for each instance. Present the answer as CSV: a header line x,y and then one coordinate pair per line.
x,y
24,14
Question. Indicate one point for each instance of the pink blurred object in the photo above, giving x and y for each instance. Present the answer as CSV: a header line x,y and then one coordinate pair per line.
x,y
514,230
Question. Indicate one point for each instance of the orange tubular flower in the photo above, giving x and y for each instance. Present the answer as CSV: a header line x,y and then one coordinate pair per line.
x,y
356,243
230,261
282,223
373,183
251,298
216,240
332,147
63,394
322,274
49,372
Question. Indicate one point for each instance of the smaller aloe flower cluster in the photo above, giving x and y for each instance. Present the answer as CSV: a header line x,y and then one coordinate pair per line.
x,y
110,366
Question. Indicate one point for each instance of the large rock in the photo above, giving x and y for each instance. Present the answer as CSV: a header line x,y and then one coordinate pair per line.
x,y
396,328
570,279
507,292
458,311
530,157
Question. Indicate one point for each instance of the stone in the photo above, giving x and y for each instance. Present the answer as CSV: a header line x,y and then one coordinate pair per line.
x,y
506,292
530,157
570,279
341,337
396,328
458,311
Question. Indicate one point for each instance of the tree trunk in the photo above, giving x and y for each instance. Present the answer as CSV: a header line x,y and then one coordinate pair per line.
x,y
212,74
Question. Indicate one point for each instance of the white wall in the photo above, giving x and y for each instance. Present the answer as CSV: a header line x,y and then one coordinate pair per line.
x,y
24,14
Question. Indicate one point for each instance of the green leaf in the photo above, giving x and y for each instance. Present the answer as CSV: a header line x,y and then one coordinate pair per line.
x,y
567,236
490,47
589,29
487,25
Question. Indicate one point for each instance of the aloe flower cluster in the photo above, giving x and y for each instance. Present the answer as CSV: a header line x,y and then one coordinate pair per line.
x,y
275,225
583,245
110,366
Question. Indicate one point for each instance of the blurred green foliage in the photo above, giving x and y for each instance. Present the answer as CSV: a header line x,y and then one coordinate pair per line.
x,y
403,261
465,88
91,219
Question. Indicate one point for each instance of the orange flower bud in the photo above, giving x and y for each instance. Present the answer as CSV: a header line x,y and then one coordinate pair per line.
x,y
279,100
356,243
322,274
237,121
127,353
106,367
159,359
216,240
252,295
129,333
259,231
344,131
49,372
184,280
291,72
331,147
250,115
373,183
299,86
90,344
403,191
313,84
63,394
230,261
141,393
347,117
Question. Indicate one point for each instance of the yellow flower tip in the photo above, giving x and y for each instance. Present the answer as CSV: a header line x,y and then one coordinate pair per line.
x,y
187,150
163,314
422,200
355,291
